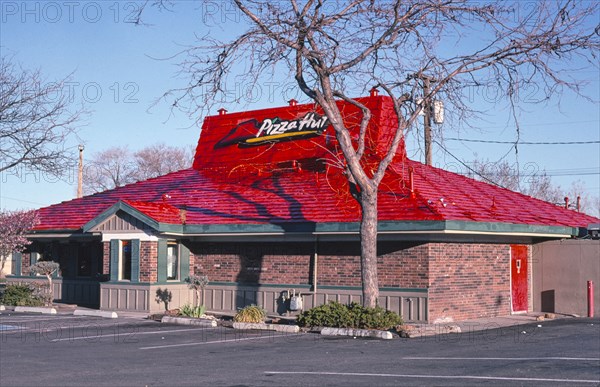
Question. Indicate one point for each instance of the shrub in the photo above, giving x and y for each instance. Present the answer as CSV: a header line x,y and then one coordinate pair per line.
x,y
192,311
336,315
20,295
250,314
197,284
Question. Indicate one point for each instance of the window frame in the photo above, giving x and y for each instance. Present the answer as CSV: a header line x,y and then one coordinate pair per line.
x,y
177,249
121,263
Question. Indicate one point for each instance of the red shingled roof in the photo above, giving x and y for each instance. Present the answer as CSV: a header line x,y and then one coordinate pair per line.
x,y
235,184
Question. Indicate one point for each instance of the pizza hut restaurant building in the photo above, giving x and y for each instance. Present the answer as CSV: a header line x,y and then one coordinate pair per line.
x,y
266,212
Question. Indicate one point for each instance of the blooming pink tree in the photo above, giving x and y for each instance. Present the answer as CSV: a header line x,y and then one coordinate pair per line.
x,y
14,225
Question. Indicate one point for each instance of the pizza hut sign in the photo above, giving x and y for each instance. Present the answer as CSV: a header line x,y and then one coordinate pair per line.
x,y
254,133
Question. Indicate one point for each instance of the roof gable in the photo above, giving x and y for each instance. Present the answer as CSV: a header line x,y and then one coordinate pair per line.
x,y
119,217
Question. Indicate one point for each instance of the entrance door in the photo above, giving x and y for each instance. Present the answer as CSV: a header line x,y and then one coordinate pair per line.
x,y
518,270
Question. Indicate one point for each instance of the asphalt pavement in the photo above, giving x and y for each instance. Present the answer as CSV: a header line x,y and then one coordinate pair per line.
x,y
67,350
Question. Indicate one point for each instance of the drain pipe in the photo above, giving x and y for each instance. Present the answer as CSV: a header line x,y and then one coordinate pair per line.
x,y
315,263
590,298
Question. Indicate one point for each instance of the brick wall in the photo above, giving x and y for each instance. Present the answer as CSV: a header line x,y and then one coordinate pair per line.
x,y
106,258
338,264
468,281
25,260
464,280
148,261
399,265
252,263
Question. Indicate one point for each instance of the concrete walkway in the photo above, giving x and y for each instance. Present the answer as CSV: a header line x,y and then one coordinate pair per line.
x,y
421,330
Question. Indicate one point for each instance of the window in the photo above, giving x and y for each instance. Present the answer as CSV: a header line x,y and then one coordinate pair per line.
x,y
172,260
125,261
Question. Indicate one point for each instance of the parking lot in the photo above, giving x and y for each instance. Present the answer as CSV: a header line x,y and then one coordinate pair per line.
x,y
75,350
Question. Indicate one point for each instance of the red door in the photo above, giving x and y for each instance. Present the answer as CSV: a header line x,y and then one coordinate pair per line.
x,y
518,270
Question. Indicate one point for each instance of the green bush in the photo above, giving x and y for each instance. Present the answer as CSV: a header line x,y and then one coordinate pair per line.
x,y
20,295
336,315
250,314
192,311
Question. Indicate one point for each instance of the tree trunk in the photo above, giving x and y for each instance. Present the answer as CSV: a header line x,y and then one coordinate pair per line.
x,y
50,290
368,249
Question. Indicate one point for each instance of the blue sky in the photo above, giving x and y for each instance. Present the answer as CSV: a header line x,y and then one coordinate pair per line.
x,y
120,69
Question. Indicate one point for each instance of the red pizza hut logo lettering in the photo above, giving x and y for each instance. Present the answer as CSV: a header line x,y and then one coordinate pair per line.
x,y
253,133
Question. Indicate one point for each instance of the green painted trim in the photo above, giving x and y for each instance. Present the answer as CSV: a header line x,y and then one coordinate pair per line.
x,y
290,286
127,283
114,259
135,260
17,262
385,289
509,228
332,227
161,261
34,256
307,286
383,226
411,290
184,262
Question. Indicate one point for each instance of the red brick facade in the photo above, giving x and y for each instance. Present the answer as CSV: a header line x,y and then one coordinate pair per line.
x,y
148,261
463,280
106,258
338,264
25,263
266,263
468,281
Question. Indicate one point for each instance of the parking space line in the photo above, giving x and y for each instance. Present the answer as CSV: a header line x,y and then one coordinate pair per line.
x,y
505,358
33,319
218,341
467,377
129,334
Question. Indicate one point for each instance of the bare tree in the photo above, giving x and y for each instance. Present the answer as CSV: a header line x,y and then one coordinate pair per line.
x,y
160,159
36,119
335,50
109,169
530,182
117,166
14,225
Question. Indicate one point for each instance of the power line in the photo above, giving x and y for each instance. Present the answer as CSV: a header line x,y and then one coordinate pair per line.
x,y
22,200
525,142
468,167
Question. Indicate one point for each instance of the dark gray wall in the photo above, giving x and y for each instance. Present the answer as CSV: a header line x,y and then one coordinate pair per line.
x,y
561,270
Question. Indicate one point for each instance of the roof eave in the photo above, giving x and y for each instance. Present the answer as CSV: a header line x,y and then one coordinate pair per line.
x,y
385,227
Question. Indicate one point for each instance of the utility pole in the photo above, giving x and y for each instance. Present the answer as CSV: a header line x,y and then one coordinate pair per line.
x,y
427,119
80,173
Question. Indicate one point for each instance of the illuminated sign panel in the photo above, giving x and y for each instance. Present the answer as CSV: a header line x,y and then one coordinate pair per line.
x,y
253,133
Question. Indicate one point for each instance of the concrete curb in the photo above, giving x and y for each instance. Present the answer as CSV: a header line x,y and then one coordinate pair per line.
x,y
95,313
267,327
189,321
385,335
35,309
412,331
